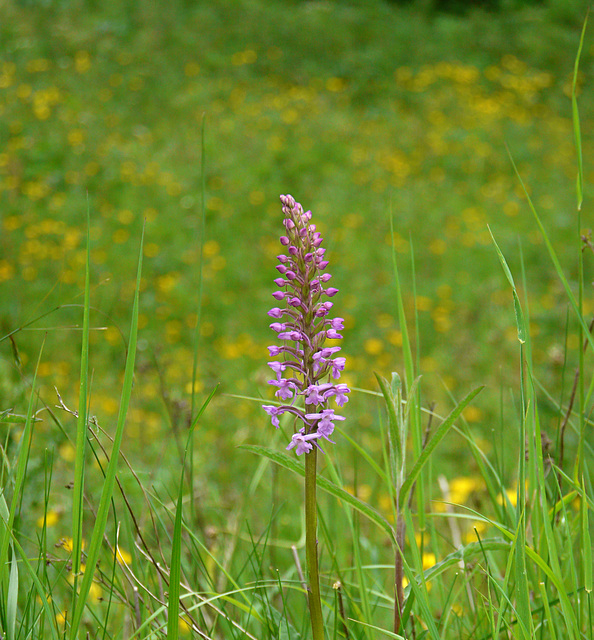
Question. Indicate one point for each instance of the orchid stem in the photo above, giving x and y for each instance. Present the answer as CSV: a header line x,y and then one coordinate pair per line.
x,y
311,546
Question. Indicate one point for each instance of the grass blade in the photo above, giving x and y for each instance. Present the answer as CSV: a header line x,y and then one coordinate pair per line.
x,y
576,120
520,324
41,591
81,429
555,259
323,483
439,435
12,597
21,468
175,563
586,540
196,338
406,348
384,632
110,474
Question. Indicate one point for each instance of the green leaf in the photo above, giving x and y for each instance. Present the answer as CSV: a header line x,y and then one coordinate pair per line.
x,y
384,632
439,435
392,398
586,541
555,260
21,470
12,597
406,347
81,428
576,120
175,563
329,487
520,324
110,473
41,591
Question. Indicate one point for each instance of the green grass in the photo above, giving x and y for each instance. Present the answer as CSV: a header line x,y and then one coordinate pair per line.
x,y
175,130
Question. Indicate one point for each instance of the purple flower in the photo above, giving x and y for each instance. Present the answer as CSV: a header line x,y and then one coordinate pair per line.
x,y
337,323
302,441
337,367
339,392
274,413
302,337
285,388
277,367
325,426
290,335
316,393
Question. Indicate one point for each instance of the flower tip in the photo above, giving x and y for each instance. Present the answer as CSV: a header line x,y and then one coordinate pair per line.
x,y
288,200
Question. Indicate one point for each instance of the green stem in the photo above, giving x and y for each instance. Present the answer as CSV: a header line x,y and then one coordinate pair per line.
x,y
311,546
399,572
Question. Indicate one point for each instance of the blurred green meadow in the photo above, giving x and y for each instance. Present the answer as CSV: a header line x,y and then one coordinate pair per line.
x,y
156,113
362,111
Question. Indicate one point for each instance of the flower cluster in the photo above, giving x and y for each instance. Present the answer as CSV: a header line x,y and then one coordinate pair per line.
x,y
308,369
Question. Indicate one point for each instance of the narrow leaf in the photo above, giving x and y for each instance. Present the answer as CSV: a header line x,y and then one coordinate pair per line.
x,y
175,563
21,469
576,121
12,597
555,260
520,324
325,484
586,541
81,428
110,473
384,632
439,435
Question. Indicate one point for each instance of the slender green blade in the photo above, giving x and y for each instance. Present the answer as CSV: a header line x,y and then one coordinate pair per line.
x,y
41,591
392,401
439,435
384,632
522,586
175,566
555,260
110,474
406,348
586,541
21,469
81,428
576,121
520,324
173,605
548,615
325,484
12,597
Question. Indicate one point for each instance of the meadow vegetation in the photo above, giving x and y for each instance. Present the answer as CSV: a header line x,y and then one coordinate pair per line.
x,y
439,154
